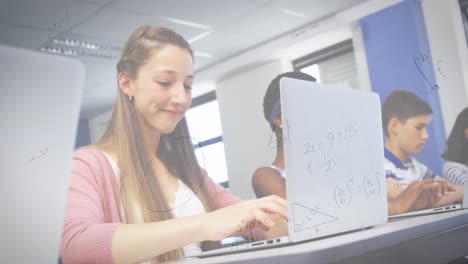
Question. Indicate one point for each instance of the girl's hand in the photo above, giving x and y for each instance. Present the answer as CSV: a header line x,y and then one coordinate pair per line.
x,y
237,218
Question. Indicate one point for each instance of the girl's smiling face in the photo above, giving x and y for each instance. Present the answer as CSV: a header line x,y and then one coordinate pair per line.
x,y
161,89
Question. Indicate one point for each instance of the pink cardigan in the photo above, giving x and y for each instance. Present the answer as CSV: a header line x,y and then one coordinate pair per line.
x,y
92,211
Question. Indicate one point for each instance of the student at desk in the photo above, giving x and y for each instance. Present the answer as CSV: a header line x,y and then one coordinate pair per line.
x,y
271,179
139,194
410,184
456,168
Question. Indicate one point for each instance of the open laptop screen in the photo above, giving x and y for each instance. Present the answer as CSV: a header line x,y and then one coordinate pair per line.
x,y
40,105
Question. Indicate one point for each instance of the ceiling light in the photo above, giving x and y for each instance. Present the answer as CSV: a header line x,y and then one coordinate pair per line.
x,y
186,23
198,37
292,13
83,44
202,54
73,47
74,52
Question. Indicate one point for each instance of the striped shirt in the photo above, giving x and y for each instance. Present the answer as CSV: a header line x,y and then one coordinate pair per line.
x,y
455,172
406,172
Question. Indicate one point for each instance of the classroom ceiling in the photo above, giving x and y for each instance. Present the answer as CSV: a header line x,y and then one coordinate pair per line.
x,y
95,30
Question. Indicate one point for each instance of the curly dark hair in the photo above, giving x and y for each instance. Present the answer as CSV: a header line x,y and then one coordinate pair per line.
x,y
272,95
457,143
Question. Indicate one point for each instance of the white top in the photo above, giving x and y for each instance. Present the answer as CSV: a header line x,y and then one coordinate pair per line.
x,y
280,171
455,172
186,204
405,173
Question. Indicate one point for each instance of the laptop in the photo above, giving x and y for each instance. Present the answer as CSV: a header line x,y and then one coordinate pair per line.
x,y
40,105
451,207
334,163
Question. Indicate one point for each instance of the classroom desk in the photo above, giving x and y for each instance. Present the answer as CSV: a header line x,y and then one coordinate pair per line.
x,y
436,238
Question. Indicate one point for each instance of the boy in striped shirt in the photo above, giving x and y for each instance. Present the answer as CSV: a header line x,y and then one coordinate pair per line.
x,y
411,185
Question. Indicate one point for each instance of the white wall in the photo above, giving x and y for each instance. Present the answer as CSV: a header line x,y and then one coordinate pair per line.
x,y
245,131
98,125
449,53
360,58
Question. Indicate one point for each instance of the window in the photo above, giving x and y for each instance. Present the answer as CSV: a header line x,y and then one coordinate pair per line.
x,y
334,65
212,159
312,70
204,124
464,10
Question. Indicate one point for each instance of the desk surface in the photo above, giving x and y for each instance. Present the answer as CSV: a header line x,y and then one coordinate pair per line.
x,y
436,238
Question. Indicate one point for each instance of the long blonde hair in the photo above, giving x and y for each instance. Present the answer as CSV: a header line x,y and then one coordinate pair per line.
x,y
140,190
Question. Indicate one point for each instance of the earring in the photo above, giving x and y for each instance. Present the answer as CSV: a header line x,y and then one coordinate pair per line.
x,y
130,98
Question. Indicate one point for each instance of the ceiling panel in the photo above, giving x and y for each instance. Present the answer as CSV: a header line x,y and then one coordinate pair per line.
x,y
39,14
42,20
100,2
117,25
42,14
23,37
212,13
249,31
236,26
314,9
266,24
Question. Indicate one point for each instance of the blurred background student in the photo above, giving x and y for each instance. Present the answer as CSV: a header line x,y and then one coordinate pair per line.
x,y
456,168
270,179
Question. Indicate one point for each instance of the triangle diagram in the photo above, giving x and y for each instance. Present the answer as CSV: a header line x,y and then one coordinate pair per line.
x,y
305,218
